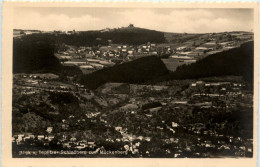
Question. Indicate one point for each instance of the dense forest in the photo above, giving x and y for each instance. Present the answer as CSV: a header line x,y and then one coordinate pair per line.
x,y
131,36
128,35
137,71
237,62
35,54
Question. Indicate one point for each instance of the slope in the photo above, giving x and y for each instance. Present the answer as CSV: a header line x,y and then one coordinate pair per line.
x,y
137,71
32,54
237,62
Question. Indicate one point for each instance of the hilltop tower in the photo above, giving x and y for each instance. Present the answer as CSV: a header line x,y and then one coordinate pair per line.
x,y
131,25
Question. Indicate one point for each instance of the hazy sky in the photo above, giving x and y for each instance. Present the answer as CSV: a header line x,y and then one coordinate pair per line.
x,y
169,20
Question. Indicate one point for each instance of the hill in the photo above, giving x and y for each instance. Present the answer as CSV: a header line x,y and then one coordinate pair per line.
x,y
237,62
32,54
131,36
137,71
35,54
134,36
126,35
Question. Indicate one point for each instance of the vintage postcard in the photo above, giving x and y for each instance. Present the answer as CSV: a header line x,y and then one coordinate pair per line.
x,y
129,84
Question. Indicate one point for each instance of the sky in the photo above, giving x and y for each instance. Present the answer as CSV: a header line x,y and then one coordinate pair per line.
x,y
161,19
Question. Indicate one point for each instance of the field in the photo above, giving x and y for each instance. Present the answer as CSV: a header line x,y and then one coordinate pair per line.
x,y
171,64
179,38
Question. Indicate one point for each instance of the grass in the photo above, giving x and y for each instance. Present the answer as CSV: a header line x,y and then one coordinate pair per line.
x,y
172,64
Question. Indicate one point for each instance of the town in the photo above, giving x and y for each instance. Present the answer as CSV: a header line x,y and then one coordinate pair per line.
x,y
193,118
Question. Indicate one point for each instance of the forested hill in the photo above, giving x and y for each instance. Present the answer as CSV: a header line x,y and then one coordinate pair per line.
x,y
137,71
35,54
132,36
237,61
127,35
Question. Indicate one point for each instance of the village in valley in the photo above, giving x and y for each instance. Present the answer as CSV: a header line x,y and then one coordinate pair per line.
x,y
195,118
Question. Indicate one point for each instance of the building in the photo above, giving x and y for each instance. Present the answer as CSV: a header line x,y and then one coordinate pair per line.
x,y
181,48
118,128
50,137
49,129
40,137
130,52
174,124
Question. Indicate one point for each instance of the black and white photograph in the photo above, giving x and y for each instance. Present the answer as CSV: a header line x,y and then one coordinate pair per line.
x,y
119,82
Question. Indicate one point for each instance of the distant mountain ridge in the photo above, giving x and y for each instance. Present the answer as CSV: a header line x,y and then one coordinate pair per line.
x,y
125,35
128,35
